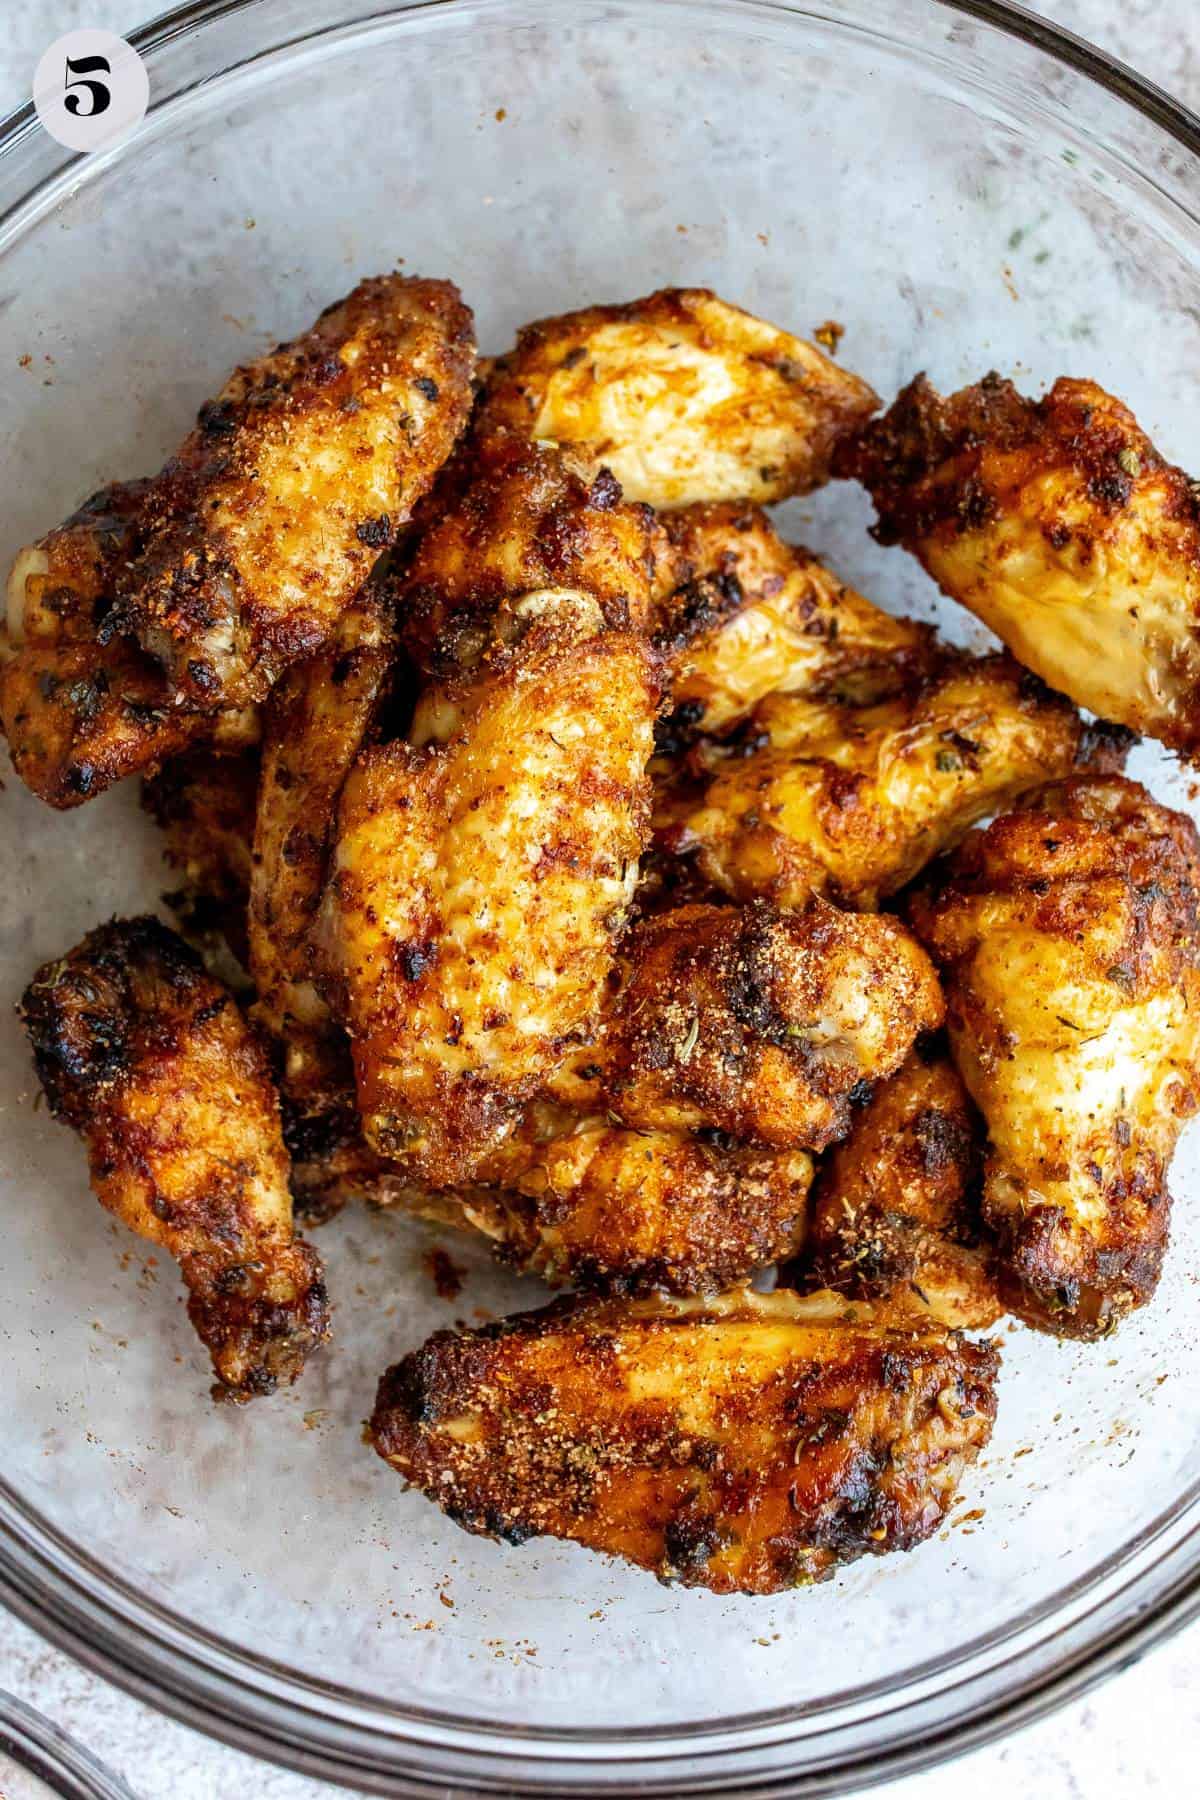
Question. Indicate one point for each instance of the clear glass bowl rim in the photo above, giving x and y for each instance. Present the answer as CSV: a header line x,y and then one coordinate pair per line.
x,y
73,1603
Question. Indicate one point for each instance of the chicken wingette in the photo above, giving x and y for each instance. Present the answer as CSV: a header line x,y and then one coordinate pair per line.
x,y
852,802
745,615
1066,934
758,1024
78,714
515,519
314,725
479,884
683,396
149,1059
896,1212
262,528
1061,526
743,1444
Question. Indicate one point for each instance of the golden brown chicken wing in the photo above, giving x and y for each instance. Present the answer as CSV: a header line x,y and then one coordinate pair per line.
x,y
682,396
263,527
896,1206
149,1059
749,615
744,1444
760,1024
1067,938
854,801
314,725
519,519
79,715
1059,524
479,885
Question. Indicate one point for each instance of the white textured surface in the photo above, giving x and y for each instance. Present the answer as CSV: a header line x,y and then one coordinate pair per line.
x,y
1137,1735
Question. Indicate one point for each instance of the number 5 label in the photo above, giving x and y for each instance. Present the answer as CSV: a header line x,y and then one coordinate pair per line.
x,y
90,89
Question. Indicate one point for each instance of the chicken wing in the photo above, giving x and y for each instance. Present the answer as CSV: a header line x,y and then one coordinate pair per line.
x,y
749,615
479,885
518,519
682,396
744,1444
1059,524
759,1024
79,715
314,726
149,1059
204,804
1067,938
896,1206
854,801
263,527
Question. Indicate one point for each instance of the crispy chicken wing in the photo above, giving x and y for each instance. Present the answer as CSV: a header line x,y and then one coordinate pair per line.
x,y
314,726
586,1202
682,396
149,1059
479,885
896,1206
519,519
744,1444
749,615
854,801
1067,938
79,715
760,1024
1059,524
263,527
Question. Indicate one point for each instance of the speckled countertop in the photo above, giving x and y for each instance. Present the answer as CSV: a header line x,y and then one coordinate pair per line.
x,y
1138,1734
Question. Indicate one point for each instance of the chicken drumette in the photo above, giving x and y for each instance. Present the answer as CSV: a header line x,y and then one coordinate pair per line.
x,y
149,1059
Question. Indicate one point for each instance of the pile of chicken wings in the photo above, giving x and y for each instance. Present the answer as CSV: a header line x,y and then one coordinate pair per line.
x,y
603,875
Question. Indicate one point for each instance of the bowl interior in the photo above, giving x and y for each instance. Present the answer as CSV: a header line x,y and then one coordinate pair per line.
x,y
959,202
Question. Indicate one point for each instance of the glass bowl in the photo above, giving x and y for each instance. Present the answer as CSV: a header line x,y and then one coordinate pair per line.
x,y
38,1760
961,187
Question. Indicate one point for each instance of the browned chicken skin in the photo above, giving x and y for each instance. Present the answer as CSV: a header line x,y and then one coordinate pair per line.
x,y
265,524
519,519
204,803
314,725
896,1205
479,885
683,396
1066,934
745,615
852,802
79,715
759,1024
1058,523
149,1059
747,1444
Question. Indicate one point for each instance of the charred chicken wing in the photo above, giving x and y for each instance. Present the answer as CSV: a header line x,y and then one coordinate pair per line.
x,y
1067,938
150,1060
1059,524
745,1444
682,396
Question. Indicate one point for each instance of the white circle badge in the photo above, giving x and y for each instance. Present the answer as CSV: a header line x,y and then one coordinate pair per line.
x,y
90,89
